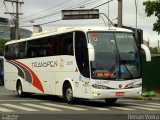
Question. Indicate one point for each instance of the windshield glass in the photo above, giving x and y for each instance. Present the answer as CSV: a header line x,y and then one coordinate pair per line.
x,y
116,55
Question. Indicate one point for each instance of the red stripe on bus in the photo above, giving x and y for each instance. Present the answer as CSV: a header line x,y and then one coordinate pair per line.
x,y
36,82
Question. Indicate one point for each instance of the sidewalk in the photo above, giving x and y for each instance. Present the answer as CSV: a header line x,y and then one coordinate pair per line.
x,y
152,96
146,96
156,98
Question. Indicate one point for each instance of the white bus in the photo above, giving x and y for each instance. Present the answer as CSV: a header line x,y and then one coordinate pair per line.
x,y
78,62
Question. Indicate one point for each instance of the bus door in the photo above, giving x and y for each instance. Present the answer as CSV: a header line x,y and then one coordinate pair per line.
x,y
82,80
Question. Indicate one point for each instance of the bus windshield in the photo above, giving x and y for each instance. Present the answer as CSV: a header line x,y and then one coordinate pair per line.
x,y
116,56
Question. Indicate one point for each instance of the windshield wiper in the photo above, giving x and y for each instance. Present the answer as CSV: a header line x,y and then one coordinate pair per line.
x,y
128,71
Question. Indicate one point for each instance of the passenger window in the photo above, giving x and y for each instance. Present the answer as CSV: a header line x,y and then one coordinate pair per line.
x,y
67,44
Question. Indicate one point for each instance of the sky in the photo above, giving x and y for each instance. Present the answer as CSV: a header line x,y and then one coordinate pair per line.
x,y
44,11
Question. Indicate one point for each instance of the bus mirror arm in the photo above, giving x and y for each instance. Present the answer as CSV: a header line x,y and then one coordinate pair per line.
x,y
147,52
91,52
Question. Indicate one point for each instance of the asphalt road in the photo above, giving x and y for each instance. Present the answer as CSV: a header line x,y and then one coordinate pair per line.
x,y
38,107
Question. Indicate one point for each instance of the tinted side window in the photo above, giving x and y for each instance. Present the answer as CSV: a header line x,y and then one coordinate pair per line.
x,y
16,51
11,51
37,48
32,48
51,46
60,45
54,46
22,50
6,52
41,47
67,44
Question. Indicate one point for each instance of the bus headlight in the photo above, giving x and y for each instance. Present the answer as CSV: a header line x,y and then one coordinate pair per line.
x,y
136,85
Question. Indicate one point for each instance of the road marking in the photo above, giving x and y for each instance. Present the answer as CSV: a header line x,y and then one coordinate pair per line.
x,y
5,110
122,108
154,104
63,106
5,94
42,107
19,100
99,108
119,100
95,108
143,108
19,107
146,105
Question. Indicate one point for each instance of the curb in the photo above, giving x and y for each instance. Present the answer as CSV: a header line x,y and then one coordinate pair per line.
x,y
147,98
152,98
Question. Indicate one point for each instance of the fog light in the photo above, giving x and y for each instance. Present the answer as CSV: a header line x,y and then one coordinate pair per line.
x,y
96,94
139,92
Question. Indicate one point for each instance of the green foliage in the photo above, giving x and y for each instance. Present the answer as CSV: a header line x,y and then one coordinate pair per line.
x,y
153,8
154,50
2,43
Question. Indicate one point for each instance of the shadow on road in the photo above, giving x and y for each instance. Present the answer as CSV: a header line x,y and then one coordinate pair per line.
x,y
91,103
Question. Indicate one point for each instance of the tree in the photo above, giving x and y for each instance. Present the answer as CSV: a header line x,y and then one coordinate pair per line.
x,y
2,43
154,50
153,8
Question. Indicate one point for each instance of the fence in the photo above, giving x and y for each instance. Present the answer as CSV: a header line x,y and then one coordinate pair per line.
x,y
151,74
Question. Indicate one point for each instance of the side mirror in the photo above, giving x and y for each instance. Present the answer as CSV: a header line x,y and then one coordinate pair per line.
x,y
147,52
91,52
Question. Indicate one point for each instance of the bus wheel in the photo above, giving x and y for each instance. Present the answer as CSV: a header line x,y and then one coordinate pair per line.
x,y
111,100
68,94
19,89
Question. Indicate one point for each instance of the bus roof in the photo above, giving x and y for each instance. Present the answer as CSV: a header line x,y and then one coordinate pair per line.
x,y
70,29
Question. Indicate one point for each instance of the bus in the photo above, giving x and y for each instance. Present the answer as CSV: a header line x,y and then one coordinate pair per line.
x,y
76,63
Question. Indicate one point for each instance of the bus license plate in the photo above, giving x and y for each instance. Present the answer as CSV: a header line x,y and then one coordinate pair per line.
x,y
119,93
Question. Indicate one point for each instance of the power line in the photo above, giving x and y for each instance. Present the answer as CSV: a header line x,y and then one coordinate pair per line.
x,y
58,12
44,10
8,10
1,6
17,32
93,23
83,4
61,19
102,4
44,23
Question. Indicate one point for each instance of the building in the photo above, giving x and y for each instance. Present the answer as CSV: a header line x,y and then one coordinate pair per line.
x,y
24,33
8,33
4,28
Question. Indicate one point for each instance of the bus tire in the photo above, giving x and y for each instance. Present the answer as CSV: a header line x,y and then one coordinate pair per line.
x,y
68,94
111,101
20,90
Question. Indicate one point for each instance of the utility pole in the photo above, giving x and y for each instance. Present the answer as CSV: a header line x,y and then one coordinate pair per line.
x,y
120,13
136,5
17,31
108,15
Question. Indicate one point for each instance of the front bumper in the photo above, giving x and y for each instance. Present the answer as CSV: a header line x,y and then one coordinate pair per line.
x,y
116,93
